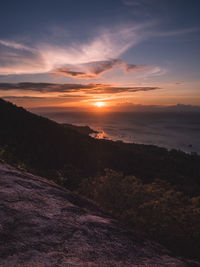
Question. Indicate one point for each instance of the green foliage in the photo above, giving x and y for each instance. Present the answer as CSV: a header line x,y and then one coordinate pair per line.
x,y
156,208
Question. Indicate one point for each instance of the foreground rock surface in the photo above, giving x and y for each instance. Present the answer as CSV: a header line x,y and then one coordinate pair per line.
x,y
42,224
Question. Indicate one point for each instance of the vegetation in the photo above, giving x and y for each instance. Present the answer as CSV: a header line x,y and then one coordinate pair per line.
x,y
156,208
163,201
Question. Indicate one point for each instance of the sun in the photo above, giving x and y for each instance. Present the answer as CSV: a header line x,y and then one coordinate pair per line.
x,y
99,104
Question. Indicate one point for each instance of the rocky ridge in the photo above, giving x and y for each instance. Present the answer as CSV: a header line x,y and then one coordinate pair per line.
x,y
43,224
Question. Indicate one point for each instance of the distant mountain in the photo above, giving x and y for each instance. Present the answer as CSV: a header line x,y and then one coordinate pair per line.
x,y
156,108
182,108
42,224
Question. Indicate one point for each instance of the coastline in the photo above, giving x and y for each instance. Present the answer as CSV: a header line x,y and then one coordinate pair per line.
x,y
81,129
101,135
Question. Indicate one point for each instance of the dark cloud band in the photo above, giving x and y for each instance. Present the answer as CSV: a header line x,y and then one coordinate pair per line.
x,y
91,88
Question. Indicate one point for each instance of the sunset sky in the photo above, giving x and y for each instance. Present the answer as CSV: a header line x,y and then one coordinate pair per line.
x,y
100,53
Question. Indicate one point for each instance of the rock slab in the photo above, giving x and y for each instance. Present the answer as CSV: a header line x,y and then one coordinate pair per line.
x,y
42,224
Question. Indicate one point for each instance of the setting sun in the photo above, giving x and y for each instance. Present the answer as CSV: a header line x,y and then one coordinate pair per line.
x,y
99,104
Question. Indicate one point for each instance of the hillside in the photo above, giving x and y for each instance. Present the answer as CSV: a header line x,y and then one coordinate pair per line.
x,y
42,224
148,188
52,150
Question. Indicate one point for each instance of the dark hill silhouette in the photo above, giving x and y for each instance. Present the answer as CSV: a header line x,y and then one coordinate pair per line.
x,y
53,150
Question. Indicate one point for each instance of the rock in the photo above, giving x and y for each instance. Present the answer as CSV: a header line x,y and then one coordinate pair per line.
x,y
42,224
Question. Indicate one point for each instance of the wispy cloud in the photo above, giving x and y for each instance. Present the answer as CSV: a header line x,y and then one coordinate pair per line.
x,y
16,58
15,45
87,60
78,60
175,83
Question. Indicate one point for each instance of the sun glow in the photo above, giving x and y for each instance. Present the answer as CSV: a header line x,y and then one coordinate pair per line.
x,y
99,104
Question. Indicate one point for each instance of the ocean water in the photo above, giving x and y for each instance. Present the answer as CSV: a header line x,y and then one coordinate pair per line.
x,y
170,130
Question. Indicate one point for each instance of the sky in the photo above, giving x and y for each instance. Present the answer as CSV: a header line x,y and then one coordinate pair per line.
x,y
92,54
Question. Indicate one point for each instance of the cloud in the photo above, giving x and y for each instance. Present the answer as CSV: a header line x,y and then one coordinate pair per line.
x,y
176,32
17,59
22,97
44,87
176,83
91,88
74,74
87,60
74,96
36,98
96,56
98,67
162,12
15,45
94,69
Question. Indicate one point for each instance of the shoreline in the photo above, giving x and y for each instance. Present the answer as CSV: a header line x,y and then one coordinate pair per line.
x,y
85,129
98,135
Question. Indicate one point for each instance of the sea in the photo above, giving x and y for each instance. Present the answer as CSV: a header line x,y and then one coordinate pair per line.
x,y
172,130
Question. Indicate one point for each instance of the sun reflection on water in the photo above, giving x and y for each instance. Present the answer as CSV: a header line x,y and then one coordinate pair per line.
x,y
99,135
